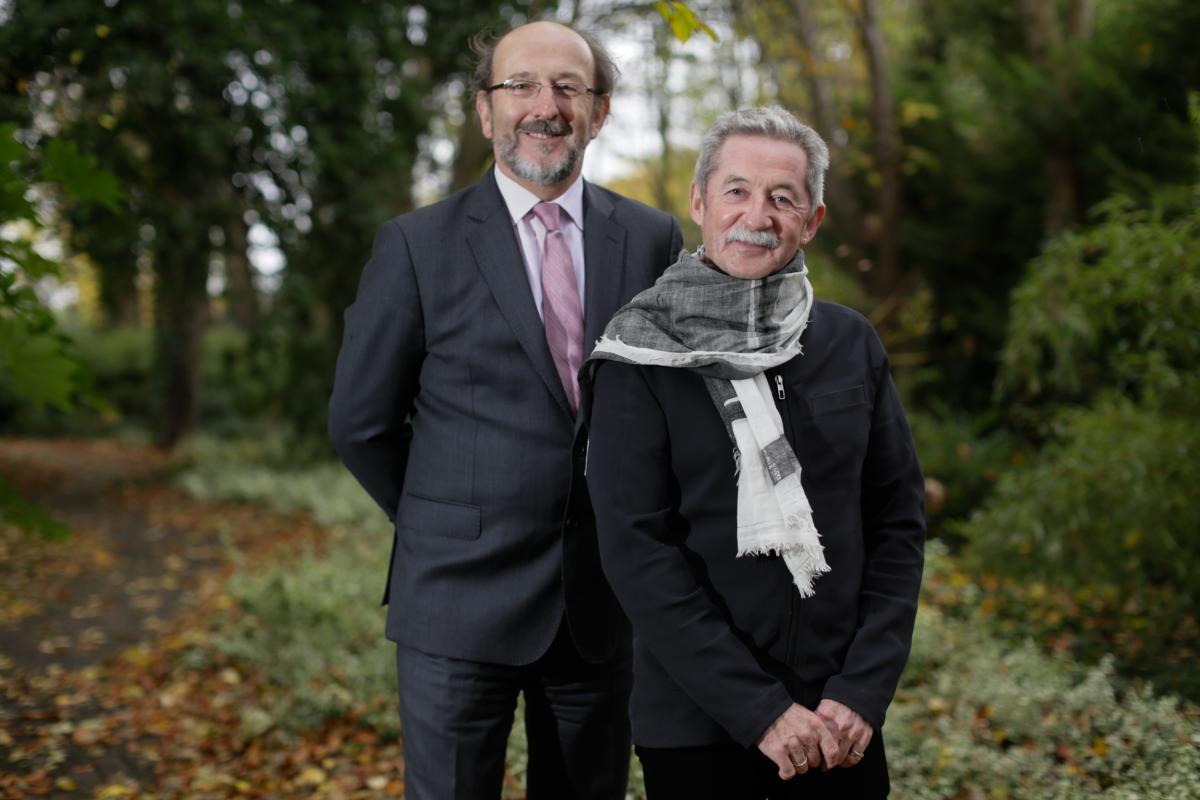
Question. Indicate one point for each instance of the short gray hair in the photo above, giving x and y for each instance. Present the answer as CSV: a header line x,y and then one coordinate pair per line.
x,y
773,122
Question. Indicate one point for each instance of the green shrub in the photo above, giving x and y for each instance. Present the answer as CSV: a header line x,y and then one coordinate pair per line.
x,y
1108,503
313,625
977,716
1113,306
964,457
1094,542
269,472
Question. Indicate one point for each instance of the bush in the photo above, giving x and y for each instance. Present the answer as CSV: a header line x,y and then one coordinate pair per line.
x,y
1107,503
964,457
313,625
1094,542
977,718
1110,307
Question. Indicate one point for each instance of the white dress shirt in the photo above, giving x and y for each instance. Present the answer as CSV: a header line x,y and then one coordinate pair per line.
x,y
532,234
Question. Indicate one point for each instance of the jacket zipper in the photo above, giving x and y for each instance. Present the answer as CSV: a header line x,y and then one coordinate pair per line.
x,y
793,610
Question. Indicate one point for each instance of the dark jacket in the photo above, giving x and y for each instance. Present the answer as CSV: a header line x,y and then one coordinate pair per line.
x,y
723,645
448,409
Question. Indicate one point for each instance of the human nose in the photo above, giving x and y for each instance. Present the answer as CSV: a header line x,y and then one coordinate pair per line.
x,y
545,102
760,214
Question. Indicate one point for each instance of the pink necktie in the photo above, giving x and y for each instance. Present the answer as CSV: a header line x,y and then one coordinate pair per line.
x,y
561,312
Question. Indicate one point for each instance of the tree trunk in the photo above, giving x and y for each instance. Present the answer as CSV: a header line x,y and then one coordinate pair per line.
x,y
845,212
1081,14
240,292
474,151
181,313
1042,31
661,98
884,277
119,302
1044,37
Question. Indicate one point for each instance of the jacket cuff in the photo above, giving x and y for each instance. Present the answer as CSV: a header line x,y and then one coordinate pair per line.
x,y
772,707
865,704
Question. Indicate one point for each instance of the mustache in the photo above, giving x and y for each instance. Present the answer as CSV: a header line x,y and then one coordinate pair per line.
x,y
552,127
760,238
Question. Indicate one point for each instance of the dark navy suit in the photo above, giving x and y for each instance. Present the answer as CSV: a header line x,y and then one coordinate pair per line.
x,y
448,409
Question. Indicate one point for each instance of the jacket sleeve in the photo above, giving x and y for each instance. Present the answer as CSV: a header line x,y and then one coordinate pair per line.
x,y
378,369
642,549
893,514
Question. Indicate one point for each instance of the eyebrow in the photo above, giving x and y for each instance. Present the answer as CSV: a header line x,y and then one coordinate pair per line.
x,y
735,178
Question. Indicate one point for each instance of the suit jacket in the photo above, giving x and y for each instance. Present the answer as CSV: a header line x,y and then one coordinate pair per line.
x,y
447,408
723,645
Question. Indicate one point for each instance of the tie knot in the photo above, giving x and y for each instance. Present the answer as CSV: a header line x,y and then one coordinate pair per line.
x,y
549,214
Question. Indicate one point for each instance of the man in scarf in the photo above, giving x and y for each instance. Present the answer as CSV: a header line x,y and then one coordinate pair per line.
x,y
757,494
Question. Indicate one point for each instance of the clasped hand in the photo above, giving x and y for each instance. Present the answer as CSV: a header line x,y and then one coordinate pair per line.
x,y
800,740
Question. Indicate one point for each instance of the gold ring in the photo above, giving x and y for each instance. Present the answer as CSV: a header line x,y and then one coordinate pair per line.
x,y
857,756
802,764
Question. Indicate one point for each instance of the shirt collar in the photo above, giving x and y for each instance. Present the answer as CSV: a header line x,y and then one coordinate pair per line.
x,y
520,201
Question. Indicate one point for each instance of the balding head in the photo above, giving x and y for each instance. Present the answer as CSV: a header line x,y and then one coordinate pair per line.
x,y
604,72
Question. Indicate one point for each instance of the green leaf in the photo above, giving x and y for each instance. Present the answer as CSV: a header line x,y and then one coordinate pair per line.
x,y
32,265
79,176
11,148
35,365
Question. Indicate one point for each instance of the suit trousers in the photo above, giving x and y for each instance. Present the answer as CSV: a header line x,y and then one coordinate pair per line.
x,y
456,715
731,772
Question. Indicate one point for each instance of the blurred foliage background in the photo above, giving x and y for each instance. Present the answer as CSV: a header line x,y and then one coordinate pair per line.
x,y
188,192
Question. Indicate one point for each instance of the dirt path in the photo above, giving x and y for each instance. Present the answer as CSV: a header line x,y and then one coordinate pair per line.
x,y
106,687
111,585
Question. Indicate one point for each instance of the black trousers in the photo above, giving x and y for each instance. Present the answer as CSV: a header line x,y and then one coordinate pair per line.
x,y
455,718
731,772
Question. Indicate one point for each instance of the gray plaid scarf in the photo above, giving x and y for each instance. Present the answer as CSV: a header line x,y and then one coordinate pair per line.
x,y
730,331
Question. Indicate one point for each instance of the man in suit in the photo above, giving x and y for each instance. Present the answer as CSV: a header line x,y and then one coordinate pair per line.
x,y
456,406
758,496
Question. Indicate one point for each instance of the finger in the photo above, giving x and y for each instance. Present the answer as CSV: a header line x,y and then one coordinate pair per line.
x,y
813,751
858,748
831,754
798,752
787,770
844,743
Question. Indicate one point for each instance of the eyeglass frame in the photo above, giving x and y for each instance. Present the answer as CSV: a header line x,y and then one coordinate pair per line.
x,y
507,85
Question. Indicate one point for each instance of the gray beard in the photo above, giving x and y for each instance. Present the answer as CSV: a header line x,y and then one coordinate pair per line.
x,y
540,174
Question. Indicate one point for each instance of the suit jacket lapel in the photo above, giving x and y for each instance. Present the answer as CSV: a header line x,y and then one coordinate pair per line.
x,y
604,270
494,244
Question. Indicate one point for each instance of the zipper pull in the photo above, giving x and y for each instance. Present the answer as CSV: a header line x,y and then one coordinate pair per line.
x,y
779,388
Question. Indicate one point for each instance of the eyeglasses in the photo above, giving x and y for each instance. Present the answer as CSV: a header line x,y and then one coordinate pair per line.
x,y
527,90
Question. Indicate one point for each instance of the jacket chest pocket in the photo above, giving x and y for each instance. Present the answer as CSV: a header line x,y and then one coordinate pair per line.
x,y
835,428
